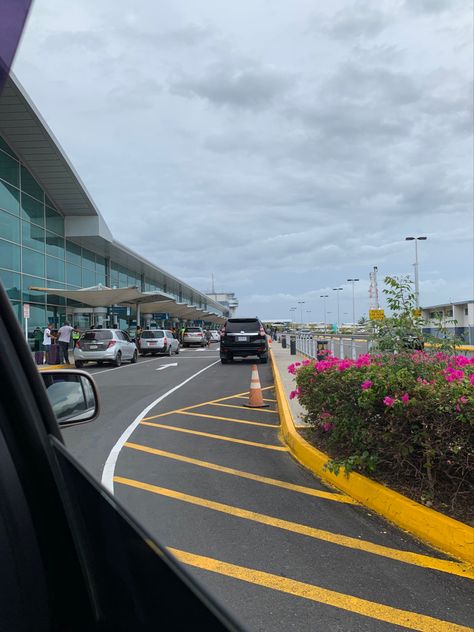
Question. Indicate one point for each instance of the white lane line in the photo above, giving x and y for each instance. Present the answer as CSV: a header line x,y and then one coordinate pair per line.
x,y
109,467
124,366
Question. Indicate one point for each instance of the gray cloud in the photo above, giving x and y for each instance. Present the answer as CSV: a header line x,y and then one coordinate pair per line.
x,y
359,20
250,87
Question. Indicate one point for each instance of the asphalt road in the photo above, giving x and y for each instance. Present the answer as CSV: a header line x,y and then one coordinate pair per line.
x,y
210,479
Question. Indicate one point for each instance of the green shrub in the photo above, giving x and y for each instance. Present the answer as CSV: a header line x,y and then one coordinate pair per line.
x,y
407,416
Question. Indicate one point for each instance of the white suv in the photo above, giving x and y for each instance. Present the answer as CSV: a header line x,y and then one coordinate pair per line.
x,y
153,341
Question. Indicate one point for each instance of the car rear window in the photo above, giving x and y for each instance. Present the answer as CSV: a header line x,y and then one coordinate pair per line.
x,y
98,334
193,329
250,325
152,334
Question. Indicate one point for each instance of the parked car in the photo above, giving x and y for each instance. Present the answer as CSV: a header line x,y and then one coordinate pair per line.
x,y
194,336
155,341
242,337
215,336
105,345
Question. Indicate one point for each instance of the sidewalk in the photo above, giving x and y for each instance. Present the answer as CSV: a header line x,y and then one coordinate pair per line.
x,y
283,359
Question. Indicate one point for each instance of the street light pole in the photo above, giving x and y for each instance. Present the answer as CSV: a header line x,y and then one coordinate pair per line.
x,y
338,289
353,281
301,303
324,297
417,279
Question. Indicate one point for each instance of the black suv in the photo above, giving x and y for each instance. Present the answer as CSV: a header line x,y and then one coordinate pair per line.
x,y
243,337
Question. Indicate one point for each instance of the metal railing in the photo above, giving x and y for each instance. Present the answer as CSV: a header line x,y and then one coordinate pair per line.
x,y
345,345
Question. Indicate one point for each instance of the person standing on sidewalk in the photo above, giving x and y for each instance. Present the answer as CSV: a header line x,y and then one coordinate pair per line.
x,y
47,340
64,339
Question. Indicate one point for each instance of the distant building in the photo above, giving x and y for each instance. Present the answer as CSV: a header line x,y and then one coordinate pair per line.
x,y
227,299
457,317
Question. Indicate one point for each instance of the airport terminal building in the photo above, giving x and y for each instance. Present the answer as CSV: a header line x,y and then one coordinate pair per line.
x,y
54,243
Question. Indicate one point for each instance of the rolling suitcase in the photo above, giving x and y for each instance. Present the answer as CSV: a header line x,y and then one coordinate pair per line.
x,y
39,357
53,354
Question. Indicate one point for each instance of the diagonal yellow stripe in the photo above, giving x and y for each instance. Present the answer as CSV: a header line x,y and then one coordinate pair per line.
x,y
310,491
372,609
214,436
237,421
260,410
417,559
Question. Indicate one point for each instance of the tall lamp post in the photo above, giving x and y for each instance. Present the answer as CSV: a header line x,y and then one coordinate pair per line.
x,y
324,297
301,303
308,311
338,289
292,310
353,281
417,279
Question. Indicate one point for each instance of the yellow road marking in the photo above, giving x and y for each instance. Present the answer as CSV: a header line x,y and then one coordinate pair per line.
x,y
340,498
210,403
214,436
265,399
260,410
237,421
407,557
372,609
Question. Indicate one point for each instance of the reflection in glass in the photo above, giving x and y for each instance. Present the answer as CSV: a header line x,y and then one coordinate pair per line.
x,y
9,198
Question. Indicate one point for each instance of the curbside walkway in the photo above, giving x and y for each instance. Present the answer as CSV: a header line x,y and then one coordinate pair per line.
x,y
446,534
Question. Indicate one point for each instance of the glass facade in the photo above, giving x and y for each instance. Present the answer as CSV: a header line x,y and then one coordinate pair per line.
x,y
35,252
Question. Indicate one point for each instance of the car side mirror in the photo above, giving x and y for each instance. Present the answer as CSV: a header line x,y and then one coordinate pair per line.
x,y
73,395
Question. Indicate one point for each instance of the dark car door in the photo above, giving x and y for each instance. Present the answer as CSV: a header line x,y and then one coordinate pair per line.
x,y
71,558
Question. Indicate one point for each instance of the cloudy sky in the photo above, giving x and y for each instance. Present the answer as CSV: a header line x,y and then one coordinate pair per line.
x,y
283,146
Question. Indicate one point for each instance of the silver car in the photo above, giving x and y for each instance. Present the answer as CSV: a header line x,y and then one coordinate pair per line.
x,y
154,341
194,336
105,345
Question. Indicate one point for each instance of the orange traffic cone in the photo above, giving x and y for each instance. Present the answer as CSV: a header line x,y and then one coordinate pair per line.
x,y
255,393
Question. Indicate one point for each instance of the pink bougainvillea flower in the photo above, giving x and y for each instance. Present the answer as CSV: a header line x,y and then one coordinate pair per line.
x,y
463,399
293,394
327,425
388,401
405,398
471,379
366,385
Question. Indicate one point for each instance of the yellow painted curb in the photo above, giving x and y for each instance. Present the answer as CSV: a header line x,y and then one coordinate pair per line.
x,y
53,367
446,534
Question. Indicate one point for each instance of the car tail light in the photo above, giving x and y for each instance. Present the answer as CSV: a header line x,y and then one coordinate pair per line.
x,y
222,332
199,335
165,341
78,345
111,344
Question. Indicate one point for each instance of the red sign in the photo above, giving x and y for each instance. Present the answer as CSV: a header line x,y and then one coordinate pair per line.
x,y
26,310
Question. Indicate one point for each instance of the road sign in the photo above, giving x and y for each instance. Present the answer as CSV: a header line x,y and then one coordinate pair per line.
x,y
376,314
160,316
26,310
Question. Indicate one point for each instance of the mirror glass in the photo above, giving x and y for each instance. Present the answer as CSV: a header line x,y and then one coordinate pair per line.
x,y
71,395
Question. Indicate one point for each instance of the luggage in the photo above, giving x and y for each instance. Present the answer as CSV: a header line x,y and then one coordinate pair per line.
x,y
39,357
52,355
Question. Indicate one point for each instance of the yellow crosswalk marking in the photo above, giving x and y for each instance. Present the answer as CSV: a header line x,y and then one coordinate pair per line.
x,y
407,557
214,436
237,421
260,410
372,609
310,491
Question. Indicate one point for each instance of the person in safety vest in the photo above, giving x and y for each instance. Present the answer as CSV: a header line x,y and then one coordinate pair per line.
x,y
75,335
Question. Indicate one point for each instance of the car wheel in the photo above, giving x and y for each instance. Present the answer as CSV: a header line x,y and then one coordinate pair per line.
x,y
118,359
79,364
224,360
134,357
100,362
170,351
177,350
